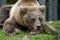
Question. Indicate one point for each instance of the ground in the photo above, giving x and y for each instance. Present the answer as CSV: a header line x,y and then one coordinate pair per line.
x,y
56,24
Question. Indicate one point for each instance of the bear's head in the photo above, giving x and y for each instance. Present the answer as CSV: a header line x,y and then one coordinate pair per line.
x,y
33,17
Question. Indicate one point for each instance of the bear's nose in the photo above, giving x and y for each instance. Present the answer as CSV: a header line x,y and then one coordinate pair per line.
x,y
38,27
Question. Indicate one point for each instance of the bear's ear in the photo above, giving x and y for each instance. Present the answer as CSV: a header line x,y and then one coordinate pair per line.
x,y
23,10
42,8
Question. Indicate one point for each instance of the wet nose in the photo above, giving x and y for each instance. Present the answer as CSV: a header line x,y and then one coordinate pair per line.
x,y
38,27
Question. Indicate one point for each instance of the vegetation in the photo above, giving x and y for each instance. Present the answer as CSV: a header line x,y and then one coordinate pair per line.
x,y
44,36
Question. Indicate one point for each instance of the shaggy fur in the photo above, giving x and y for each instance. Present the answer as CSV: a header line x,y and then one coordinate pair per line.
x,y
27,13
4,13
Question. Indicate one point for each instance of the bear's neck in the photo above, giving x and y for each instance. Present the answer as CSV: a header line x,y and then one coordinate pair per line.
x,y
27,2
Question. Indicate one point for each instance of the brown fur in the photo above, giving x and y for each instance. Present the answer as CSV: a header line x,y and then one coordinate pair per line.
x,y
4,13
22,13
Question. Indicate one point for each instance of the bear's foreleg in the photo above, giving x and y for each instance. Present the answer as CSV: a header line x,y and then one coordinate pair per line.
x,y
10,26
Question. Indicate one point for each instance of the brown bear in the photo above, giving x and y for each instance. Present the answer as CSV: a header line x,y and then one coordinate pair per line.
x,y
27,13
4,13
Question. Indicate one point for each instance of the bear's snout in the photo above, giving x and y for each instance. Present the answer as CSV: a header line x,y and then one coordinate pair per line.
x,y
38,27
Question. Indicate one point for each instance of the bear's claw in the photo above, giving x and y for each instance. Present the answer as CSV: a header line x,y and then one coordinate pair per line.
x,y
11,34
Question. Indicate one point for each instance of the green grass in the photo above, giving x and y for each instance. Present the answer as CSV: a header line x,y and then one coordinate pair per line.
x,y
56,24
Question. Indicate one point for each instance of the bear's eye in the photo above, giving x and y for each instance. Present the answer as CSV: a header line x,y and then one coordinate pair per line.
x,y
40,19
32,20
